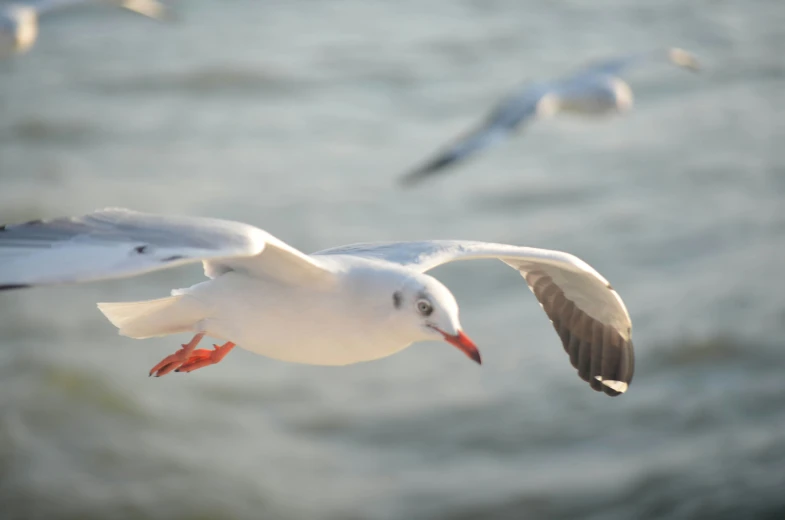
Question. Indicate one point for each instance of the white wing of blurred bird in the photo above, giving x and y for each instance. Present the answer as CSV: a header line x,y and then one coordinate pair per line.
x,y
594,91
19,21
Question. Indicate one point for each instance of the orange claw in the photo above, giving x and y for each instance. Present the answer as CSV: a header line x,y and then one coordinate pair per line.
x,y
176,360
203,357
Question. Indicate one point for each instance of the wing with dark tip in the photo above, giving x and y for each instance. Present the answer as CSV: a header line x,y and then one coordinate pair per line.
x,y
602,355
500,124
588,315
465,146
117,243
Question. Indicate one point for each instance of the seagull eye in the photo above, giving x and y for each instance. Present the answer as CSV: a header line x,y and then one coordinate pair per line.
x,y
424,307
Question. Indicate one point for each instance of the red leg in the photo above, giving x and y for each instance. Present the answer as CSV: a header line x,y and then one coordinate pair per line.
x,y
203,357
175,360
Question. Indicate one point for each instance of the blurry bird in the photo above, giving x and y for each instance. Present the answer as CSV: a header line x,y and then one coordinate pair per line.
x,y
594,91
336,307
19,21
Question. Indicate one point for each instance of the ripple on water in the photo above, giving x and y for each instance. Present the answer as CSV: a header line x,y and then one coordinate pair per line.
x,y
209,79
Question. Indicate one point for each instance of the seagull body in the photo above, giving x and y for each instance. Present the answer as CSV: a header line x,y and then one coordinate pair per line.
x,y
19,21
336,307
595,91
258,313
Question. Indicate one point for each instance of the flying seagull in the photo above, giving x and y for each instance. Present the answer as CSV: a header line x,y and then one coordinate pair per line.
x,y
336,307
594,91
19,21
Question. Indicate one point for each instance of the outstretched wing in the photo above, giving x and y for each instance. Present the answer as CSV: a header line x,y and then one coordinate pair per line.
x,y
149,8
117,243
615,66
588,315
509,114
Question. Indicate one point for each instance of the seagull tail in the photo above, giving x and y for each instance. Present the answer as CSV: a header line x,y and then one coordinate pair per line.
x,y
151,318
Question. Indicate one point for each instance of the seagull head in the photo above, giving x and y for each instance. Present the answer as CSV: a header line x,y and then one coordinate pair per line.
x,y
425,310
682,58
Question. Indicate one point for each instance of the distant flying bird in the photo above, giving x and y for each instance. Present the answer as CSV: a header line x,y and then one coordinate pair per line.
x,y
335,307
19,21
597,90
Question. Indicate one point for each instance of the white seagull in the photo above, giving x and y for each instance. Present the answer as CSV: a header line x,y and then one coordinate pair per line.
x,y
594,91
335,307
19,21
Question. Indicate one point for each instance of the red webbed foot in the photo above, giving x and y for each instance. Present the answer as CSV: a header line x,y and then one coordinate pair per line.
x,y
176,360
204,357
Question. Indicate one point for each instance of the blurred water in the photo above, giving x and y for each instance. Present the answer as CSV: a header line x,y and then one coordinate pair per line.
x,y
297,116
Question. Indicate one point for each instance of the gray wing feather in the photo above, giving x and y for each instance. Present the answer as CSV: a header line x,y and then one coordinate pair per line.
x,y
116,243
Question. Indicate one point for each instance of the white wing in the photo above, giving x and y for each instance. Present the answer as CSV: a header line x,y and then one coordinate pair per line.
x,y
149,8
589,316
615,66
500,124
117,243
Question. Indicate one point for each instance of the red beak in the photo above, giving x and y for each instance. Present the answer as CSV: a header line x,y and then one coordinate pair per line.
x,y
463,342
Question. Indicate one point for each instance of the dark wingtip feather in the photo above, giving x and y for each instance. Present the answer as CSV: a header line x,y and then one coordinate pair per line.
x,y
602,356
12,286
434,167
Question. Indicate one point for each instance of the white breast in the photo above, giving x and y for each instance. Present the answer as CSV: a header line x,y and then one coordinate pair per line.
x,y
296,324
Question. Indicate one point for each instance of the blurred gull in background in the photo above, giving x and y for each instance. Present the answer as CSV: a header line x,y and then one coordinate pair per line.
x,y
594,91
19,21
337,307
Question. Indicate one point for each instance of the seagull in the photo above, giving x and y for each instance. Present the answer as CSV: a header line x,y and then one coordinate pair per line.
x,y
19,21
594,91
339,306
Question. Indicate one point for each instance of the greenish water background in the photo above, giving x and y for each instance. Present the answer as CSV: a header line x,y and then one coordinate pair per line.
x,y
297,117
